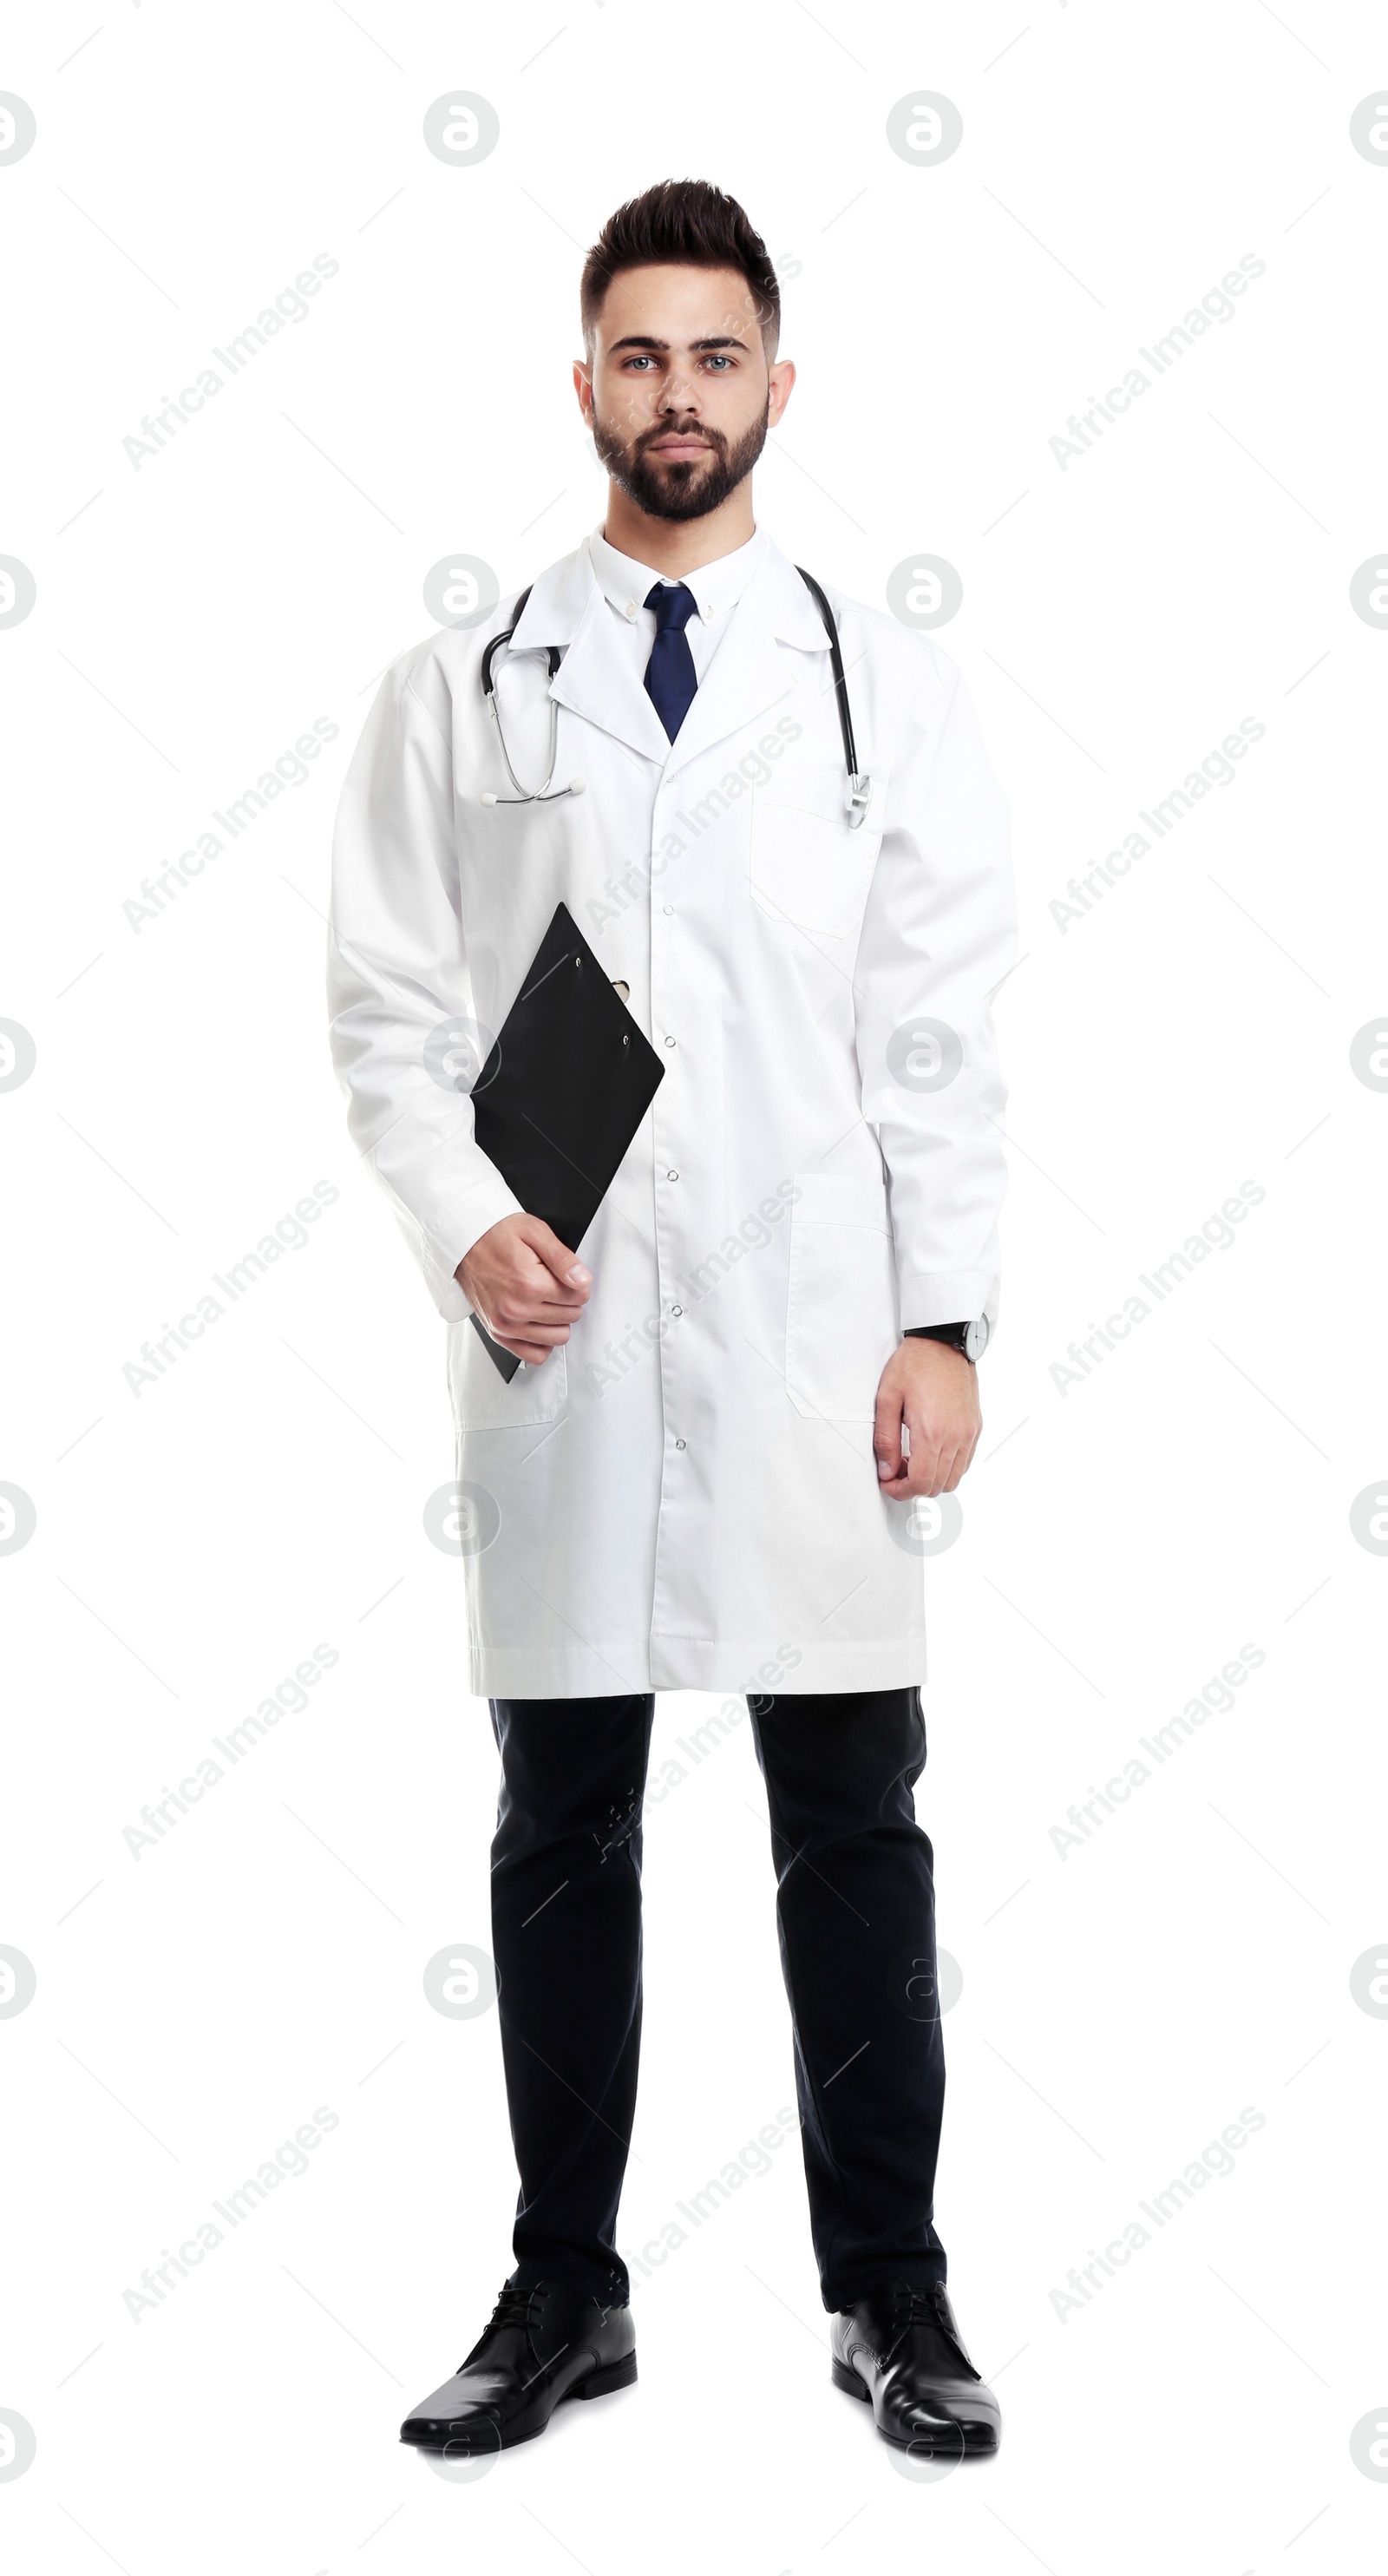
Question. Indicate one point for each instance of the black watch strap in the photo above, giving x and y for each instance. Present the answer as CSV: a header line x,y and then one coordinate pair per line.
x,y
958,1336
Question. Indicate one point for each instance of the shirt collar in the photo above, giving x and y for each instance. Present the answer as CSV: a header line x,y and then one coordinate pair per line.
x,y
717,586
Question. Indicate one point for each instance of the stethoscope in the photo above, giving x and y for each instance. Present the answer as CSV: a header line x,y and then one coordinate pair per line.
x,y
547,794
859,785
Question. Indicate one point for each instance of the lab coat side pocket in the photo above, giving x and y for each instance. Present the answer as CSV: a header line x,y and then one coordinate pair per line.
x,y
483,1400
841,1304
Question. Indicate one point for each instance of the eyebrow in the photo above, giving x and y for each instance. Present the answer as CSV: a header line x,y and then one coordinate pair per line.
x,y
642,340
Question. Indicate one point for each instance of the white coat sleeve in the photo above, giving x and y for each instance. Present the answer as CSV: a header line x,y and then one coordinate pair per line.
x,y
939,935
397,972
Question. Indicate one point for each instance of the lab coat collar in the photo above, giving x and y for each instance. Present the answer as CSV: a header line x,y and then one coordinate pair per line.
x,y
751,669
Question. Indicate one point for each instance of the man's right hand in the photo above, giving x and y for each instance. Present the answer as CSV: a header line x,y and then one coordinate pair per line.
x,y
526,1286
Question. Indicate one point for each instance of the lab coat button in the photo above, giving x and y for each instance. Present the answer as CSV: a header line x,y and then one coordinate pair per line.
x,y
672,1176
669,907
679,1444
677,1310
669,1041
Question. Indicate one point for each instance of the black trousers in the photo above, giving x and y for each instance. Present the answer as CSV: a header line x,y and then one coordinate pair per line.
x,y
856,1917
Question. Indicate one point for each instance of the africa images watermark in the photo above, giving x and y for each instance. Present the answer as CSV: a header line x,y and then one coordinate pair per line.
x,y
290,307
289,770
288,1698
1215,770
289,2161
752,1235
751,2161
1217,2159
1215,307
1215,1235
752,770
1215,1697
290,1234
717,1727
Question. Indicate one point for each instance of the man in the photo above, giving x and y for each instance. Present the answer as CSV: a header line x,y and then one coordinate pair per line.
x,y
709,1472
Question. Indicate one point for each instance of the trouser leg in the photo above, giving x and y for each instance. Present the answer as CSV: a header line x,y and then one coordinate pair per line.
x,y
856,1916
566,1930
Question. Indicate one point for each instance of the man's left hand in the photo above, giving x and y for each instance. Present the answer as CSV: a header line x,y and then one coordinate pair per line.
x,y
933,1389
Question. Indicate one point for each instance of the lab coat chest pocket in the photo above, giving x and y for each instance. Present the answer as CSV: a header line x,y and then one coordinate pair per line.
x,y
841,1308
806,865
483,1400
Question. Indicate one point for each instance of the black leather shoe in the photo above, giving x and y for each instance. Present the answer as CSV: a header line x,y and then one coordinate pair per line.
x,y
902,2351
540,2346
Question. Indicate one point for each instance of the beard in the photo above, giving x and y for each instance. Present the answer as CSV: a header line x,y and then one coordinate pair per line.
x,y
689,487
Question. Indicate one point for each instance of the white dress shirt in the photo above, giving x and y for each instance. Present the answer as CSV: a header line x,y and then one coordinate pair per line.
x,y
717,588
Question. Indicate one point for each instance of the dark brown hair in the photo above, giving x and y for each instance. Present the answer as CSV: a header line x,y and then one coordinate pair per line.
x,y
681,222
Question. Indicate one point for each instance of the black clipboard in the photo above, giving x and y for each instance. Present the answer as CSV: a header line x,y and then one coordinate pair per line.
x,y
563,1091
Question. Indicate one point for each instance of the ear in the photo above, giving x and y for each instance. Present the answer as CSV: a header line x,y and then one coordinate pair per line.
x,y
583,386
780,378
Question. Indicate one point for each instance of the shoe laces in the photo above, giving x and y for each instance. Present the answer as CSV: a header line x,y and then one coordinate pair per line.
x,y
512,2308
923,2308
927,2308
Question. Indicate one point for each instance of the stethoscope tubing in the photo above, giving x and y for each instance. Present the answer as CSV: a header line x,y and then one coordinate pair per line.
x,y
860,787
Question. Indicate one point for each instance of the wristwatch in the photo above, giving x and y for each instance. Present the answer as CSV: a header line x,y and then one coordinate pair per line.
x,y
971,1339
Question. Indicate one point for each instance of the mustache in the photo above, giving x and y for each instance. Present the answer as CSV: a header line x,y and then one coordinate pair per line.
x,y
675,429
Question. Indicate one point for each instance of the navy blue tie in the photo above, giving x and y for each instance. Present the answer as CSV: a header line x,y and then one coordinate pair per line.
x,y
671,679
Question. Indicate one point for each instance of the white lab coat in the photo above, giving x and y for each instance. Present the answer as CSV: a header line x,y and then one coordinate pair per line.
x,y
685,1496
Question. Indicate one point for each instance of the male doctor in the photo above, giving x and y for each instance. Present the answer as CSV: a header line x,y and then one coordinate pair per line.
x,y
710,1472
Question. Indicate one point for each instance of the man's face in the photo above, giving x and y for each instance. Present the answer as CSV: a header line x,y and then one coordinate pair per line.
x,y
678,393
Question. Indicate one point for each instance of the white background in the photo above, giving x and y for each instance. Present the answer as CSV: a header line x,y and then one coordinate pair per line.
x,y
1122,1539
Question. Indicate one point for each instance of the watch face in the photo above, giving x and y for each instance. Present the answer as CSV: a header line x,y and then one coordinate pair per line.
x,y
976,1339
